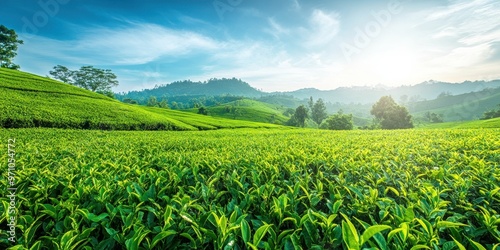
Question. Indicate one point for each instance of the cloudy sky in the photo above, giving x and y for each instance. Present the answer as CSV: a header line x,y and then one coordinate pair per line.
x,y
275,45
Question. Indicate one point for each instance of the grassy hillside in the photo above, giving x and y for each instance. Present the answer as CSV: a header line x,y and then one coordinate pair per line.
x,y
491,123
470,106
32,101
248,110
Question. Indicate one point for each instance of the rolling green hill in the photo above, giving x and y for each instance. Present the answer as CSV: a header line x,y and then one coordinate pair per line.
x,y
248,110
33,101
470,106
491,123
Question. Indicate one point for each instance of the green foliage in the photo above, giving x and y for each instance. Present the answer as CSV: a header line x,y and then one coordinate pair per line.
x,y
490,123
130,101
33,101
248,110
433,117
491,114
87,77
318,111
8,47
469,106
152,102
223,88
390,115
289,112
255,189
62,74
299,117
338,121
202,111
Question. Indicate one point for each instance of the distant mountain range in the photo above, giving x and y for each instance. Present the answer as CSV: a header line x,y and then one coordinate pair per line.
x,y
424,91
364,95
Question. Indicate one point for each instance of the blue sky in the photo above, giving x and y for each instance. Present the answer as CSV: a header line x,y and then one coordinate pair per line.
x,y
276,45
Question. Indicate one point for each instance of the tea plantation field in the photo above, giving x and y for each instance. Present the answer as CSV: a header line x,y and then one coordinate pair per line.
x,y
251,189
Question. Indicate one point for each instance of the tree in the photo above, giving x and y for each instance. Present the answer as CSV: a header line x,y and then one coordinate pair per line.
x,y
129,100
87,77
310,103
299,117
152,102
62,74
491,114
95,79
202,111
163,103
8,47
318,111
433,117
289,112
338,121
390,115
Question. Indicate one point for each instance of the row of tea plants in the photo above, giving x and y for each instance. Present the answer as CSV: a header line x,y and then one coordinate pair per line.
x,y
254,189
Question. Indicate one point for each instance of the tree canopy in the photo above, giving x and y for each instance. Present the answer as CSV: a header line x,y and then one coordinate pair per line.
x,y
8,47
299,117
318,111
491,114
390,115
339,121
87,77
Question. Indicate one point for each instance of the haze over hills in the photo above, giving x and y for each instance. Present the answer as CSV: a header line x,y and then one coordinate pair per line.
x,y
363,94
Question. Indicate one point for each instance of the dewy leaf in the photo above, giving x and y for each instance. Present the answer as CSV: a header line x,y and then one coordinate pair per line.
x,y
259,234
134,242
371,231
162,235
477,245
459,245
245,231
448,224
416,247
349,233
96,218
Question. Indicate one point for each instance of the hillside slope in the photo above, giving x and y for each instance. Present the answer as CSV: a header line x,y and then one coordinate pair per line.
x,y
491,123
33,101
248,110
469,106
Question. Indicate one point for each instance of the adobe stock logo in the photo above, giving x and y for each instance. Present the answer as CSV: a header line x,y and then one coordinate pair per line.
x,y
49,9
372,29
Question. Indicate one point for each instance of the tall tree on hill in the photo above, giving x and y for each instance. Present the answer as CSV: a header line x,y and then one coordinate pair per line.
x,y
94,79
318,111
339,121
62,74
8,47
299,117
390,115
310,103
87,77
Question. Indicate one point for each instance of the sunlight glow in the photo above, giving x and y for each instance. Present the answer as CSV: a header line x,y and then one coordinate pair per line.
x,y
393,64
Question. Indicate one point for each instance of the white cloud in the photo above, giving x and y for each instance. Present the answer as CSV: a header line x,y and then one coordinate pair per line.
x,y
464,56
323,27
143,43
473,22
454,9
139,44
277,27
474,26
